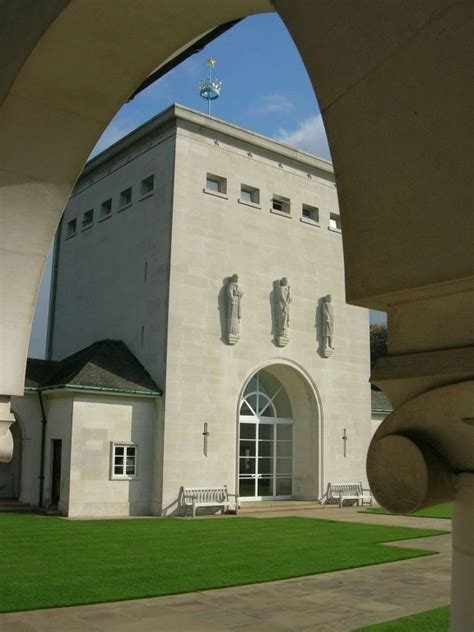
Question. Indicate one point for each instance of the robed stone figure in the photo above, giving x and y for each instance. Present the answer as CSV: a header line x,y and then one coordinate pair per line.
x,y
234,311
327,326
283,301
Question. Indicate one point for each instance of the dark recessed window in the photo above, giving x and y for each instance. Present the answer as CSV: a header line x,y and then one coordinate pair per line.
x,y
249,194
335,221
88,218
281,204
106,208
310,212
216,184
148,184
71,228
126,197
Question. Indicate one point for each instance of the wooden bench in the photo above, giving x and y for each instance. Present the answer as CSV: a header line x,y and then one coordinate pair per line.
x,y
195,497
339,492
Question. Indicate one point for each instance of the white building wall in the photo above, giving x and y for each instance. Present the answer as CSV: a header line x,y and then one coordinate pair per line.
x,y
214,237
193,242
98,421
113,276
59,411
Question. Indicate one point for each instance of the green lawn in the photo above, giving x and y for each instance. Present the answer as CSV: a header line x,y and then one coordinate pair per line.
x,y
438,511
430,621
52,562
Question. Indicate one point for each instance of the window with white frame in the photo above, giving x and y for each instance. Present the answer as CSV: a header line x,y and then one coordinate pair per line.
x,y
310,213
249,195
335,222
216,184
124,460
148,184
281,204
88,218
71,228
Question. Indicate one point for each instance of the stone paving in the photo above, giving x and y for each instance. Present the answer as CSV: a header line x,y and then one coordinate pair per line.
x,y
330,602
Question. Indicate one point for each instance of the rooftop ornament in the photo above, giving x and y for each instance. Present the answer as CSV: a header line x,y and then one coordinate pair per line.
x,y
210,89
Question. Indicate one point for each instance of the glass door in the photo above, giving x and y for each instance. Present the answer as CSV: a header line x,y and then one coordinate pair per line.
x,y
266,441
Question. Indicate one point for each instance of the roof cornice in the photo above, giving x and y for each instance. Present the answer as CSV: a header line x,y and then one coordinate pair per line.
x,y
176,114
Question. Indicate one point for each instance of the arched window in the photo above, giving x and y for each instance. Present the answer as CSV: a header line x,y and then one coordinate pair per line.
x,y
265,396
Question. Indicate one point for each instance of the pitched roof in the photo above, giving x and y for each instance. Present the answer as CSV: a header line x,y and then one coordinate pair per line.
x,y
106,365
380,402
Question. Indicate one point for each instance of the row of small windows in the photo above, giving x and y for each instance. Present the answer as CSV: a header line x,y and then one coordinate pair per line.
x,y
280,204
147,187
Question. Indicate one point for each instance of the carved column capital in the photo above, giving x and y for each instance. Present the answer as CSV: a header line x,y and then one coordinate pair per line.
x,y
6,439
417,451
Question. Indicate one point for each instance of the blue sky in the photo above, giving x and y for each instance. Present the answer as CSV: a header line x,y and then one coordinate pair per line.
x,y
265,88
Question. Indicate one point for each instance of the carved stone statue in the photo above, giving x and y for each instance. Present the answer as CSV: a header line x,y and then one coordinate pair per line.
x,y
283,300
234,313
327,326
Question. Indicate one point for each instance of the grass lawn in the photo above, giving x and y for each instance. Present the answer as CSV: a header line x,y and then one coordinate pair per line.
x,y
430,621
438,511
53,562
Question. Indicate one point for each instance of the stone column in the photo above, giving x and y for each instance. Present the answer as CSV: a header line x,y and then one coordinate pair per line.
x,y
6,439
462,587
423,453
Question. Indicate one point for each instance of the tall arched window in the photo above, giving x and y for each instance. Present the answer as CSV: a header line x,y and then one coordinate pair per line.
x,y
266,440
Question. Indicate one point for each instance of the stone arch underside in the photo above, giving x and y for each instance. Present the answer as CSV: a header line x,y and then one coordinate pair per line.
x,y
391,82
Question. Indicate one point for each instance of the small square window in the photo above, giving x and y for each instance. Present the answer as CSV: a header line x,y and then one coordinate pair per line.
x,y
106,208
249,195
124,459
88,218
148,184
71,228
335,222
310,213
126,197
216,184
281,204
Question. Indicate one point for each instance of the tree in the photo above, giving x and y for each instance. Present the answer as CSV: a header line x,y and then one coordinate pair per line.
x,y
378,343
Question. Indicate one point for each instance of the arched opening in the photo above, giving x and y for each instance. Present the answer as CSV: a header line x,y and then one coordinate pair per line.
x,y
278,436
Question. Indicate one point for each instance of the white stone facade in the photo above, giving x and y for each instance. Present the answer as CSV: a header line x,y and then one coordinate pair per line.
x,y
153,273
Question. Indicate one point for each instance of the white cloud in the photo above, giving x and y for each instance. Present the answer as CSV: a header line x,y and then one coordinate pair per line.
x,y
309,135
271,103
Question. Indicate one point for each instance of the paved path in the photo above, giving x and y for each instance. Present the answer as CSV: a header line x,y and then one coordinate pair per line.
x,y
338,601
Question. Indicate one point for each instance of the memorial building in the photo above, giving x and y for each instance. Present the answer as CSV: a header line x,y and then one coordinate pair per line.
x,y
199,334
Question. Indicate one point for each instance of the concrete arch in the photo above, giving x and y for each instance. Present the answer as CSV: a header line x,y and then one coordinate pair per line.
x,y
53,113
390,82
306,403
